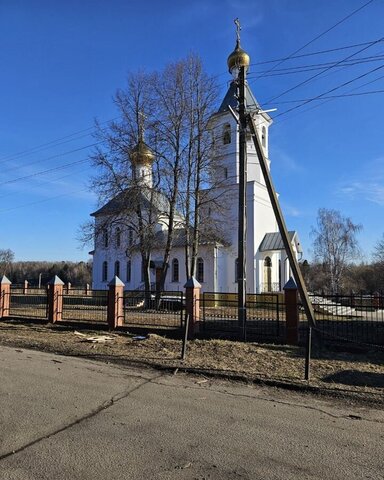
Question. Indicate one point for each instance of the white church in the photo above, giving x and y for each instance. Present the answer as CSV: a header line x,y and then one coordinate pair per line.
x,y
267,265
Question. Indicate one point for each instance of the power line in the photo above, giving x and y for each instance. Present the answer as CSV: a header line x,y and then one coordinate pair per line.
x,y
61,167
329,100
320,73
307,100
52,157
330,91
321,34
320,52
45,145
317,66
42,201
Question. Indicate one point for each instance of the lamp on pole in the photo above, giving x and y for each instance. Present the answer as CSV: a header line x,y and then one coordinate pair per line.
x,y
238,62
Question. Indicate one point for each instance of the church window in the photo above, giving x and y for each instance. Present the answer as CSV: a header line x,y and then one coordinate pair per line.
x,y
117,268
225,173
236,269
105,239
227,134
130,236
104,272
264,136
175,270
200,270
118,237
129,271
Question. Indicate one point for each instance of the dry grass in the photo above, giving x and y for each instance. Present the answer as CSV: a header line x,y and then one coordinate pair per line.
x,y
355,372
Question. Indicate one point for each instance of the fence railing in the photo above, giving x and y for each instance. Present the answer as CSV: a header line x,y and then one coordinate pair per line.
x,y
85,306
150,310
31,305
352,318
265,315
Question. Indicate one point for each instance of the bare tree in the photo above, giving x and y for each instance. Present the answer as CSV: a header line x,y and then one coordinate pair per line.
x,y
131,204
378,254
335,244
6,259
185,101
173,105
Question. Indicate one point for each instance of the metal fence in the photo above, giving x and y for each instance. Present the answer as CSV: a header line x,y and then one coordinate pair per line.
x,y
351,318
33,304
141,310
265,315
79,306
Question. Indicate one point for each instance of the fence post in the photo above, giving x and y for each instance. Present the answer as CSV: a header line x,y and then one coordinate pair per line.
x,y
68,287
192,305
87,289
5,296
25,288
115,313
55,299
291,312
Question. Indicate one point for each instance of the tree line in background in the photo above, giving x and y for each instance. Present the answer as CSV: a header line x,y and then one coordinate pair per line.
x,y
39,272
333,268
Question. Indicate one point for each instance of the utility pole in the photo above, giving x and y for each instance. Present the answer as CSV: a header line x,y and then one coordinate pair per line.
x,y
238,63
242,232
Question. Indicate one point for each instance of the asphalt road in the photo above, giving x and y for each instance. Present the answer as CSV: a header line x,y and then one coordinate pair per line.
x,y
67,418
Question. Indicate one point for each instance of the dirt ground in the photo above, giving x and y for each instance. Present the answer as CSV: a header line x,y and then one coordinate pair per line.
x,y
359,373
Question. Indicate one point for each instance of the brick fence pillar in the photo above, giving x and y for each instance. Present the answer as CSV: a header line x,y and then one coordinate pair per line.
x,y
291,312
25,288
55,299
192,305
115,313
5,296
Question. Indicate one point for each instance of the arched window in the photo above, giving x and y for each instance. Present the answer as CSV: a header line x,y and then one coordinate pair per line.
x,y
200,270
117,268
129,270
236,269
225,173
226,134
104,272
105,239
130,236
175,270
118,237
264,136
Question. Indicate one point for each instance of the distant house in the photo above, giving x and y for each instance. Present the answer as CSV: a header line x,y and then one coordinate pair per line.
x,y
267,266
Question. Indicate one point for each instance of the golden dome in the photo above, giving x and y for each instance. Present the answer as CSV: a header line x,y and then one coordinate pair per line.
x,y
238,58
142,154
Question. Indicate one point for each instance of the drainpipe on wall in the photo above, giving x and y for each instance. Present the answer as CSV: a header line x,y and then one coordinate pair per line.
x,y
215,268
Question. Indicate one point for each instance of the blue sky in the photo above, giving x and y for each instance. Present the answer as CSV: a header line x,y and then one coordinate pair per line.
x,y
61,63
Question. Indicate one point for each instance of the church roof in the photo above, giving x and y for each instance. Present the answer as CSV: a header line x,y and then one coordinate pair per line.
x,y
273,241
129,199
230,99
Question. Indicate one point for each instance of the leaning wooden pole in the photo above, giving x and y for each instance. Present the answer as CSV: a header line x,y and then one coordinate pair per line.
x,y
281,223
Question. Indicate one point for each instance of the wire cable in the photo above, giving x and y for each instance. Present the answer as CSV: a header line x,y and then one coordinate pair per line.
x,y
322,34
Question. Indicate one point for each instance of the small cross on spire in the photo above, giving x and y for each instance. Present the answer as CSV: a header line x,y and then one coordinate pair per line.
x,y
141,120
238,28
